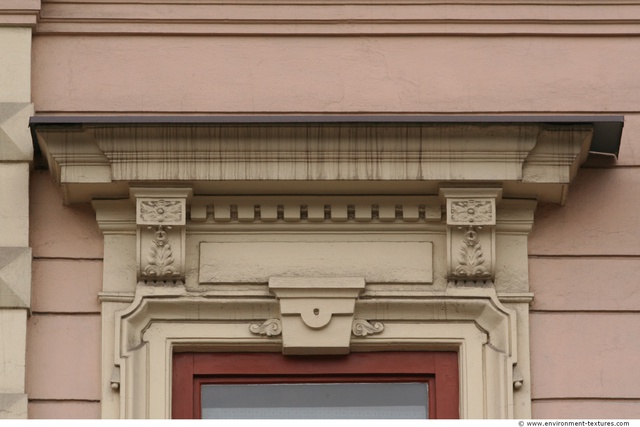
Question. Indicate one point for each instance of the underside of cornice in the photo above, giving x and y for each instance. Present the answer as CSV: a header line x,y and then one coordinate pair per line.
x,y
528,159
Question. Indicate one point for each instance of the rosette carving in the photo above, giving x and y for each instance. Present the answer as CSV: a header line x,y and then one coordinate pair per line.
x,y
161,211
472,211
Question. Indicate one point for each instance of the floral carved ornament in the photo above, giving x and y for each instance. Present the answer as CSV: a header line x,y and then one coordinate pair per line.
x,y
160,216
161,211
471,216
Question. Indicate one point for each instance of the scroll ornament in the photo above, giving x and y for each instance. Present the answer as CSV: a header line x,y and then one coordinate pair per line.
x,y
362,328
270,328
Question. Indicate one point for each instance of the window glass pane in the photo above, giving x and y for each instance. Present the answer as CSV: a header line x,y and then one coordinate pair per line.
x,y
332,400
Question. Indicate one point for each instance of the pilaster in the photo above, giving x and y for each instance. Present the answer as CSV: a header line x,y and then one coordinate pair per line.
x,y
16,153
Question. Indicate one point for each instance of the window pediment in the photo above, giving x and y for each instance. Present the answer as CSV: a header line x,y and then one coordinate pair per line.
x,y
317,236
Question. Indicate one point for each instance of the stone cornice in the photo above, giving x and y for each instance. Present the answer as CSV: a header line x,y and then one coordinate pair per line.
x,y
527,160
304,17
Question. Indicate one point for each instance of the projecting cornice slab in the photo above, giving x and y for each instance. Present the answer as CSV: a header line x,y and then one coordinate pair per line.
x,y
527,159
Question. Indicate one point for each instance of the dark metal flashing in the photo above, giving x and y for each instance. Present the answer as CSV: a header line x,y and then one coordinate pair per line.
x,y
606,138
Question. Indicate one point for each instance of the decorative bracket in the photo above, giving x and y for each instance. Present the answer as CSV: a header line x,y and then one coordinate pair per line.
x,y
161,215
471,220
317,312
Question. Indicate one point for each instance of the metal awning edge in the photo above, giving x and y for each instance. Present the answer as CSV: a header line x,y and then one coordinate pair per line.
x,y
606,139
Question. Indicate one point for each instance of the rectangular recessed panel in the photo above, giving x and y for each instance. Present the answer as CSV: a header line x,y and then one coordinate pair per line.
x,y
315,400
376,261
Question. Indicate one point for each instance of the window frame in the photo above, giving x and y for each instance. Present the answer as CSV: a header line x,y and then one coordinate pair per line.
x,y
438,369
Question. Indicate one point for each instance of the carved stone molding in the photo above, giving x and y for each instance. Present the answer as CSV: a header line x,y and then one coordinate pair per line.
x,y
317,312
316,209
471,221
472,321
161,215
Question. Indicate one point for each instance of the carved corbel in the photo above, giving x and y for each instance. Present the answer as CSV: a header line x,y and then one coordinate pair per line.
x,y
161,217
317,312
471,235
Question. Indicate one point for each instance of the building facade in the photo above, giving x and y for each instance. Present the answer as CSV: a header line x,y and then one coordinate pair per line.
x,y
318,181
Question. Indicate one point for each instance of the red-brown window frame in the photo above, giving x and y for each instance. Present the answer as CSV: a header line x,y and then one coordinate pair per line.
x,y
192,370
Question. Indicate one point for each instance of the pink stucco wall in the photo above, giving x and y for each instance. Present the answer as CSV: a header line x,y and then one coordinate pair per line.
x,y
63,340
334,74
585,324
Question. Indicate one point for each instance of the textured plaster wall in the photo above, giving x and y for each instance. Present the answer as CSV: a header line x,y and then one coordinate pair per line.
x,y
584,267
584,257
63,341
335,74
